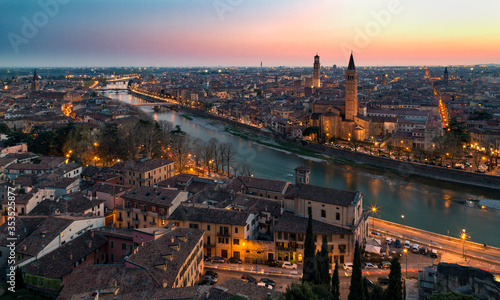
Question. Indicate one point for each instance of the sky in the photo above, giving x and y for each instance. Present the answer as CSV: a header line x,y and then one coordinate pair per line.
x,y
190,33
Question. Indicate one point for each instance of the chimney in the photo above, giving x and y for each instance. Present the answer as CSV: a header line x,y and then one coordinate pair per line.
x,y
89,244
71,256
92,234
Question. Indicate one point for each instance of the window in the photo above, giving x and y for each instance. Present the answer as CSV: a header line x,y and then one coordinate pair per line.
x,y
208,227
337,216
341,236
323,213
112,243
124,246
194,226
236,241
235,229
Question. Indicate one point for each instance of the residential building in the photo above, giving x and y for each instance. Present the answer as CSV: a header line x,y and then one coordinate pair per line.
x,y
145,172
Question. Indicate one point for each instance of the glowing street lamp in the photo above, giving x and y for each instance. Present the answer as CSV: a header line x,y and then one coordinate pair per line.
x,y
403,220
406,254
464,237
374,211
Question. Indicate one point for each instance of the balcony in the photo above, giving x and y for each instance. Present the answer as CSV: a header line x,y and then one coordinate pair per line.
x,y
135,221
153,223
152,214
288,249
223,234
136,210
119,219
145,179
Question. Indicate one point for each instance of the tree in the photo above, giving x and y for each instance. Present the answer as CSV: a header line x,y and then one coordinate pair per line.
x,y
180,146
459,130
297,291
395,288
227,151
451,296
323,263
148,135
335,289
19,279
377,293
309,273
356,288
4,128
312,130
110,144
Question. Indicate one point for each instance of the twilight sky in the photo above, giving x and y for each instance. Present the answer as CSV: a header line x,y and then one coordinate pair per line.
x,y
245,32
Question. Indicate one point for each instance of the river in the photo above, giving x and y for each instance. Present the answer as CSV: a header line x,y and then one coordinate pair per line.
x,y
431,205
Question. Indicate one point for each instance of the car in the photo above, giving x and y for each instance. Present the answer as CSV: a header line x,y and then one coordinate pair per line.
x,y
289,265
383,280
423,251
264,285
273,263
218,259
368,282
212,274
397,243
389,240
234,260
415,248
369,265
434,253
348,266
407,245
376,233
267,281
248,278
206,280
385,265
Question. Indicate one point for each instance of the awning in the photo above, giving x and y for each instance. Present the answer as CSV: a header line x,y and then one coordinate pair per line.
x,y
373,249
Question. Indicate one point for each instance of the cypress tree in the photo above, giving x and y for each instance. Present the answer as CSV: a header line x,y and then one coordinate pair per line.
x,y
356,288
19,279
395,288
309,272
323,264
336,282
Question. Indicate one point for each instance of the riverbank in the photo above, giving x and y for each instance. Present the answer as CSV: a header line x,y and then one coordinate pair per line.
x,y
318,151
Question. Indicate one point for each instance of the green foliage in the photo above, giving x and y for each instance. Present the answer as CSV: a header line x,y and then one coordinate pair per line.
x,y
356,288
480,115
4,128
311,130
297,291
323,263
335,288
322,291
89,83
309,273
451,296
377,293
54,284
458,129
395,288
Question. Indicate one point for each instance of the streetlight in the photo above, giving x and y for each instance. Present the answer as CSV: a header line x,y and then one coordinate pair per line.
x,y
374,210
403,220
406,254
464,236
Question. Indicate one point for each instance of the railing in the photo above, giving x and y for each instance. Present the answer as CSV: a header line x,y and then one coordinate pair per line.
x,y
290,249
224,234
153,214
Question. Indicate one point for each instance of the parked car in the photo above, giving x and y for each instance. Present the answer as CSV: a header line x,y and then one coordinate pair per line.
x,y
423,251
248,278
273,263
234,260
407,245
289,265
383,280
376,233
267,281
397,243
385,265
415,248
348,266
218,259
206,280
211,273
368,282
434,253
262,284
389,240
369,265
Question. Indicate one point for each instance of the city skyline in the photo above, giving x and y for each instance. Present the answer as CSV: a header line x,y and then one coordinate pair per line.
x,y
243,33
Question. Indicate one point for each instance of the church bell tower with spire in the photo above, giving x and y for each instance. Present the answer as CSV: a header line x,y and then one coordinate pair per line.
x,y
351,91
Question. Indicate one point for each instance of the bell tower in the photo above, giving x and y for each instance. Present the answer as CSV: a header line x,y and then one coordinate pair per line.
x,y
317,74
302,174
351,91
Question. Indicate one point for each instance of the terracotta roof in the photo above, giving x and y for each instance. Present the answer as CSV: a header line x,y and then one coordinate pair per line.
x,y
322,194
258,183
59,262
73,204
146,194
153,253
249,290
207,214
289,222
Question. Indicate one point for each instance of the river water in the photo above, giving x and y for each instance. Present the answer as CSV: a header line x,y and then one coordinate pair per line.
x,y
431,205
